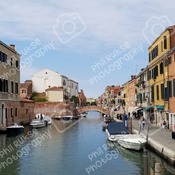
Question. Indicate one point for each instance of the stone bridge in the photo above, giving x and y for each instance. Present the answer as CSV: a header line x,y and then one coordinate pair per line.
x,y
93,108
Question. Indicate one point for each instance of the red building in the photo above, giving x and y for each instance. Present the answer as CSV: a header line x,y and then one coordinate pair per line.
x,y
82,98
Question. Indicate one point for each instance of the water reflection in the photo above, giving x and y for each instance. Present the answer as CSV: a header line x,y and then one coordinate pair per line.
x,y
70,152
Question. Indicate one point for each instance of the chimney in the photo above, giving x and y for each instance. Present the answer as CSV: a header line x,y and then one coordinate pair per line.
x,y
12,46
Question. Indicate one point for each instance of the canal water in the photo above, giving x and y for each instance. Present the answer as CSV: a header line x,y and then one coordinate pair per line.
x,y
72,148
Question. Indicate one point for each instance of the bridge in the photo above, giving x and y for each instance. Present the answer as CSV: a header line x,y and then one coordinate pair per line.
x,y
93,108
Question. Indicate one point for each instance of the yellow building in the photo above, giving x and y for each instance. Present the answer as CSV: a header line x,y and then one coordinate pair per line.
x,y
158,73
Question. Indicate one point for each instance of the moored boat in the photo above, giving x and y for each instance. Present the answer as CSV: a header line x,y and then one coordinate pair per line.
x,y
37,123
67,117
132,143
14,129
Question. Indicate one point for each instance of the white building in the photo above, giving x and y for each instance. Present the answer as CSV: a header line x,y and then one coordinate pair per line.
x,y
47,78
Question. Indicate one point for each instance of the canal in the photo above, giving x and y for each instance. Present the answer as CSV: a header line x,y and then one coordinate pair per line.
x,y
67,148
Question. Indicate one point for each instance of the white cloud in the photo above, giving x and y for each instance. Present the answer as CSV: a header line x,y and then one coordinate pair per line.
x,y
107,22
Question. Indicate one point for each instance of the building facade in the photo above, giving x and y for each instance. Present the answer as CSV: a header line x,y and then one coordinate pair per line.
x,y
56,94
47,78
26,89
158,74
9,84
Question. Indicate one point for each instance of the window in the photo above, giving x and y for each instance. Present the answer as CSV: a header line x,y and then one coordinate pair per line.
x,y
149,57
166,94
16,112
16,88
152,93
154,52
169,88
161,46
162,91
11,112
6,85
161,68
23,91
64,83
149,75
17,64
11,62
165,42
157,92
12,87
3,85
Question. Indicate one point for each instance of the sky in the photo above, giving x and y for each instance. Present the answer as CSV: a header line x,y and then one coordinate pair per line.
x,y
94,42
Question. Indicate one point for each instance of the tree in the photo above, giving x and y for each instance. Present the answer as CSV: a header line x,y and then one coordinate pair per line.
x,y
93,103
74,99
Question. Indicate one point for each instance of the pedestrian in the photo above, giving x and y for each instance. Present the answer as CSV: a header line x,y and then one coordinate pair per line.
x,y
143,122
126,120
164,124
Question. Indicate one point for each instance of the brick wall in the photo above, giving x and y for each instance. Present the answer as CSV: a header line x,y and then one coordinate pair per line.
x,y
54,108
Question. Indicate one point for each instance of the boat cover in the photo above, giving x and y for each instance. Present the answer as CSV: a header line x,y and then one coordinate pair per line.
x,y
115,128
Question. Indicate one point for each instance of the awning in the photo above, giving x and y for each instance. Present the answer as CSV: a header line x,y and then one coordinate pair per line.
x,y
160,107
148,108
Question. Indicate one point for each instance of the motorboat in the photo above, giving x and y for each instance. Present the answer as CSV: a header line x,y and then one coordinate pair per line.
x,y
43,117
37,123
57,117
14,129
134,143
115,130
83,114
47,119
67,117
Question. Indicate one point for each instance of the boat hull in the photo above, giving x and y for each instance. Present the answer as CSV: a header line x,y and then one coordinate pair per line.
x,y
134,144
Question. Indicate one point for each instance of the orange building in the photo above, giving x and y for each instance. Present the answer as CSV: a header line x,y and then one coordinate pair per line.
x,y
26,89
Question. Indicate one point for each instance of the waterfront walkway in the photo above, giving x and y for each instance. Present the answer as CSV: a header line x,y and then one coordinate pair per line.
x,y
159,139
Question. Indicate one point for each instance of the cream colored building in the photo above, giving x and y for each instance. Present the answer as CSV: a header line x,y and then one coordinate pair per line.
x,y
55,94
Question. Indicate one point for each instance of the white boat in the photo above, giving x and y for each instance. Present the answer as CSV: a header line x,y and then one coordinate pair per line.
x,y
47,119
15,129
83,114
37,123
132,143
67,117
43,117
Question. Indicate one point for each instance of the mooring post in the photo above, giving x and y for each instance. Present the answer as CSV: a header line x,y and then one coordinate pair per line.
x,y
145,161
130,125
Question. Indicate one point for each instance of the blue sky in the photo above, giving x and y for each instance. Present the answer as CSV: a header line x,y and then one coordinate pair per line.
x,y
94,42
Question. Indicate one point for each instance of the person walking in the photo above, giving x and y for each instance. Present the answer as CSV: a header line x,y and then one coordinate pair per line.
x,y
143,122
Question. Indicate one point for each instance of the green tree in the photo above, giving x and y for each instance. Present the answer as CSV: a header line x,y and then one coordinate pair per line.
x,y
93,103
74,99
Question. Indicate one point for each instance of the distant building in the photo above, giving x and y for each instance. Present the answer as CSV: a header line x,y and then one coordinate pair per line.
x,y
9,84
47,79
26,89
56,94
82,98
